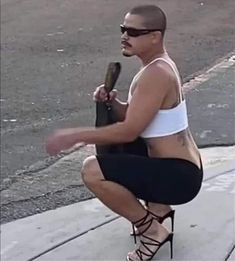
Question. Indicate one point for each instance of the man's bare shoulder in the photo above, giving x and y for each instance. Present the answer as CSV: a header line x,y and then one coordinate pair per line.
x,y
156,75
159,67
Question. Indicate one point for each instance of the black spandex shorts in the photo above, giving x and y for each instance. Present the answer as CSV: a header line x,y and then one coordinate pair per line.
x,y
168,181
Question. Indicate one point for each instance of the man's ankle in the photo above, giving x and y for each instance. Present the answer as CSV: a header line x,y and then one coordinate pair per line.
x,y
159,208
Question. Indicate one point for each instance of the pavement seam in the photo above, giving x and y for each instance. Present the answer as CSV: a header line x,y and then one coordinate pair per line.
x,y
224,63
212,145
230,252
220,174
72,238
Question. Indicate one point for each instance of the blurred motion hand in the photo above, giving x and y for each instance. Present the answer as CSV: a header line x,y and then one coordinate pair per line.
x,y
61,140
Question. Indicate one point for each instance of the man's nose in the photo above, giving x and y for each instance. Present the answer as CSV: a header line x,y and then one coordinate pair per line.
x,y
124,36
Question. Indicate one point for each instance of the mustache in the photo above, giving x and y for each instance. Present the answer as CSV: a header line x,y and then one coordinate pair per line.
x,y
125,43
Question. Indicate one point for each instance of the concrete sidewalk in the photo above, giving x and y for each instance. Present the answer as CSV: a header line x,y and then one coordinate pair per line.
x,y
204,229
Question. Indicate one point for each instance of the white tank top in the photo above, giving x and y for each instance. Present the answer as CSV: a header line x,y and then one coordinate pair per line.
x,y
167,121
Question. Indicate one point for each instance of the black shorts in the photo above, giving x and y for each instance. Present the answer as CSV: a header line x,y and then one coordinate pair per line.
x,y
168,181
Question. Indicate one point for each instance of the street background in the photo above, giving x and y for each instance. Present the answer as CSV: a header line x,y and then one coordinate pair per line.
x,y
54,54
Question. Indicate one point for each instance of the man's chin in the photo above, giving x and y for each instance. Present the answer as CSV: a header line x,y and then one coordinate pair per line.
x,y
127,54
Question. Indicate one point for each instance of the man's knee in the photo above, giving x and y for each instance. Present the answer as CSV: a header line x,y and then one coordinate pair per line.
x,y
91,171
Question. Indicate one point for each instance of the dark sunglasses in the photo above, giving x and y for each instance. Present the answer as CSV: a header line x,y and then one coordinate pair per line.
x,y
133,32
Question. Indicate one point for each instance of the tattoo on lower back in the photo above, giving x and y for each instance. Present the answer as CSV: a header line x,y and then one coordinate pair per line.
x,y
182,137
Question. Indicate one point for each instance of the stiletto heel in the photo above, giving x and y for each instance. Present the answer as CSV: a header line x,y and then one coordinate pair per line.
x,y
170,239
172,220
171,243
147,221
134,233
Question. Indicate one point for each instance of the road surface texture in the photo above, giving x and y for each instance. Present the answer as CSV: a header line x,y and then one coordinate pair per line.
x,y
55,53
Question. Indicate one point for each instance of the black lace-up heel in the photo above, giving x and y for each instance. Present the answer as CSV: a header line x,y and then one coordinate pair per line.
x,y
147,221
170,214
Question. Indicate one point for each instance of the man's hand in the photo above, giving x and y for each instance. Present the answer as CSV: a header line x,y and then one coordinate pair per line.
x,y
101,95
61,140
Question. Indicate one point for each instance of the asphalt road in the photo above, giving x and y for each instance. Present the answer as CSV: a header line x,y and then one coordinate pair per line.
x,y
54,53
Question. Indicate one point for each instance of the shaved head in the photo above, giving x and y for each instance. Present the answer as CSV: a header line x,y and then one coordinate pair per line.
x,y
153,16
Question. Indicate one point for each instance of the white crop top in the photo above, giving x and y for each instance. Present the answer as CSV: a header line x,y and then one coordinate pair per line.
x,y
166,121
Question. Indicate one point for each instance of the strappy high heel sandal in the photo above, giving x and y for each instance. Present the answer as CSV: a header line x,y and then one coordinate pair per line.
x,y
170,214
147,221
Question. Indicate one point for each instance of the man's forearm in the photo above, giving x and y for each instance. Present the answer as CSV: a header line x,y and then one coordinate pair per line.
x,y
112,134
120,108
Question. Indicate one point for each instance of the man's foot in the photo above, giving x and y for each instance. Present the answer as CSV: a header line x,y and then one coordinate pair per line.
x,y
150,241
158,210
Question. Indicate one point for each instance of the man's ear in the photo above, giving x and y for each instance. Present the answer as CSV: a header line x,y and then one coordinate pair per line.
x,y
156,37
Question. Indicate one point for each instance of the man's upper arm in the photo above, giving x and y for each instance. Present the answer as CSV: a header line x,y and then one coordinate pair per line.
x,y
147,99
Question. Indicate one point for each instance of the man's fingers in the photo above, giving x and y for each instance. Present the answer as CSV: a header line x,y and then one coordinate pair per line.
x,y
100,94
113,94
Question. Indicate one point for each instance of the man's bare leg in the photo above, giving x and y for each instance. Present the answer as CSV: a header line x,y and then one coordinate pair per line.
x,y
158,209
114,195
111,194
